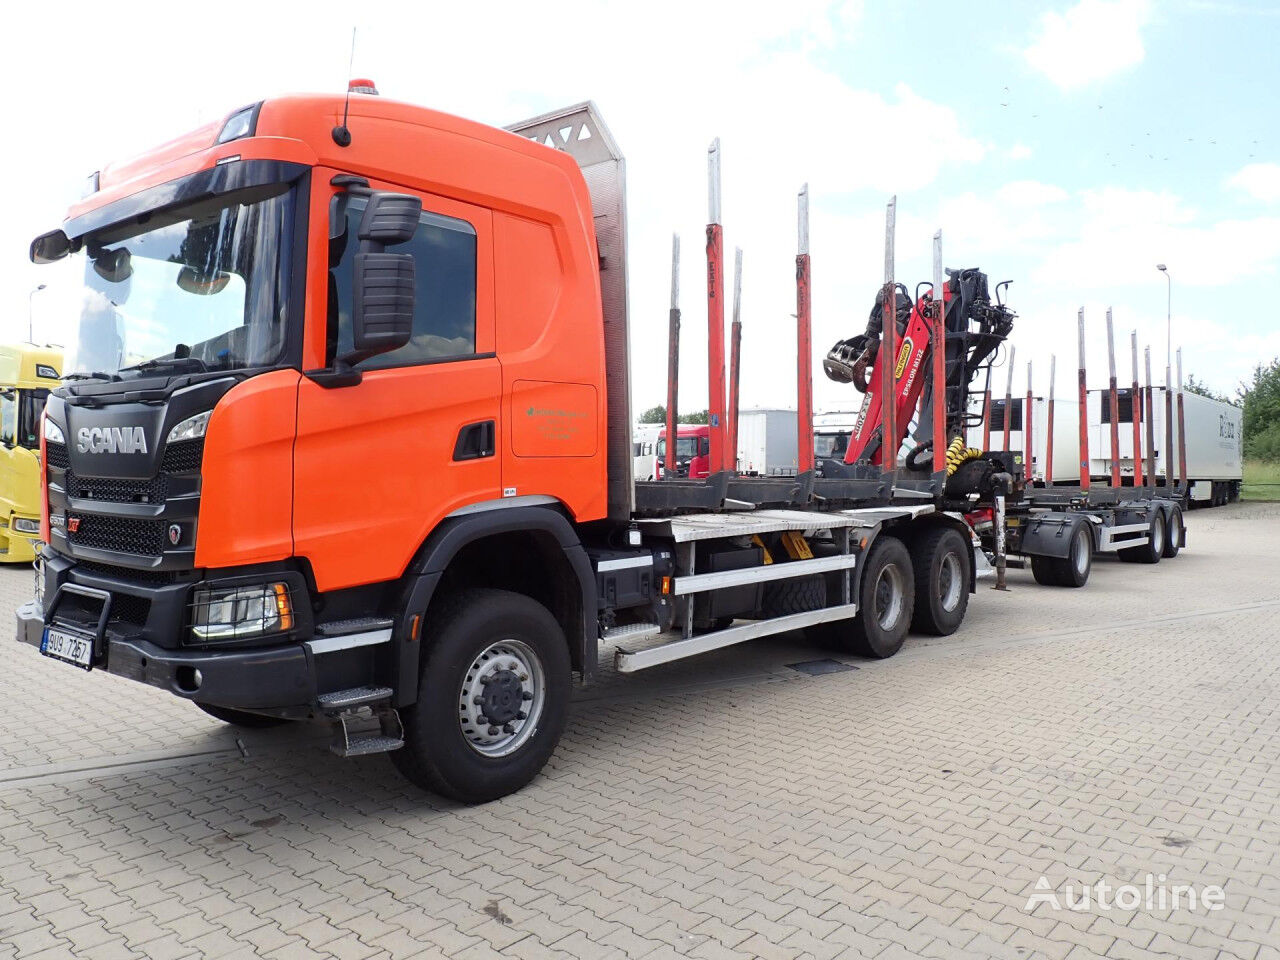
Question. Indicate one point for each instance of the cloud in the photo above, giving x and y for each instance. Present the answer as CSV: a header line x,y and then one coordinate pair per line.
x,y
1019,151
1260,180
1091,41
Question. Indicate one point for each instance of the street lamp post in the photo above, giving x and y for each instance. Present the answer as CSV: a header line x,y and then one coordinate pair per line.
x,y
30,325
1168,378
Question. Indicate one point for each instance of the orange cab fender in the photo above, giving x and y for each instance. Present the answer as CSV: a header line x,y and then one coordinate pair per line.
x,y
477,522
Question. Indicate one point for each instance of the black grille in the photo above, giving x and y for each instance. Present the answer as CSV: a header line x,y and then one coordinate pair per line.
x,y
183,457
123,573
121,534
57,454
153,490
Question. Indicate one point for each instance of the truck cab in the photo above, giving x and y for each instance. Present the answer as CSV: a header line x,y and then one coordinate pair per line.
x,y
321,341
27,374
693,451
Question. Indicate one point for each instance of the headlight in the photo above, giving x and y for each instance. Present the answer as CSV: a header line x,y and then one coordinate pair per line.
x,y
23,525
192,428
235,613
53,432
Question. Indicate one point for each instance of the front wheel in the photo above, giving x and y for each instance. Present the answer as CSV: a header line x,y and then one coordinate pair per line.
x,y
1069,571
492,699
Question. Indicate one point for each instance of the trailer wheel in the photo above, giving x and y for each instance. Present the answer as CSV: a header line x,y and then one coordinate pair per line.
x,y
492,698
1173,541
940,560
886,594
241,718
1153,549
1069,571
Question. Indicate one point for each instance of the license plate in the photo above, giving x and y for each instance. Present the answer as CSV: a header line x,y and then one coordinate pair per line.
x,y
67,647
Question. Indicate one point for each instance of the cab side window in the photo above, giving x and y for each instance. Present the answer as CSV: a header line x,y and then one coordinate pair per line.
x,y
444,319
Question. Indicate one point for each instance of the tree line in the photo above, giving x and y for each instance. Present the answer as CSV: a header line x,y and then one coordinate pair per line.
x,y
658,414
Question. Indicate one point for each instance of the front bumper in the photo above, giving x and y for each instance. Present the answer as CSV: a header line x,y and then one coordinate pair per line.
x,y
279,680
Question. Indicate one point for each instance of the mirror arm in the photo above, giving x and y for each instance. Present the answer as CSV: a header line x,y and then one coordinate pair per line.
x,y
341,374
356,186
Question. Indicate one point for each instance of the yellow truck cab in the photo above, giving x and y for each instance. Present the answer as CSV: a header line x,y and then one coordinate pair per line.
x,y
27,374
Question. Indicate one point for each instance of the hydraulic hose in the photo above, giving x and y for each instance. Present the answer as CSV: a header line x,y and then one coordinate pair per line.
x,y
958,453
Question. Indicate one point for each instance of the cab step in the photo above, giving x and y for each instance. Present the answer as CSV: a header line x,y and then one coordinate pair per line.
x,y
342,700
352,737
632,631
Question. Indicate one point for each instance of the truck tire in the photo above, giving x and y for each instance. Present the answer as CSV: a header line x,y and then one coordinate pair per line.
x,y
940,559
798,595
1153,549
1069,571
488,651
241,718
1173,537
886,595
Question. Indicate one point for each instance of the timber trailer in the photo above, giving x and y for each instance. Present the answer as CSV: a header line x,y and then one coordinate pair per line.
x,y
424,319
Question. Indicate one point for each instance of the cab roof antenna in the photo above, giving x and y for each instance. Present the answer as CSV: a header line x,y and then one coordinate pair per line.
x,y
342,135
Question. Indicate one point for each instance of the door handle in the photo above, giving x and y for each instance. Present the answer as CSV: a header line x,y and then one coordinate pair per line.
x,y
475,441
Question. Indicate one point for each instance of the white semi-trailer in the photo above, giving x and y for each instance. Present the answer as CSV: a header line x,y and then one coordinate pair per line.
x,y
1213,447
767,443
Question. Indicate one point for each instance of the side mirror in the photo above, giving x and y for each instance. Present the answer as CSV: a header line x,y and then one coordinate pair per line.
x,y
50,247
384,287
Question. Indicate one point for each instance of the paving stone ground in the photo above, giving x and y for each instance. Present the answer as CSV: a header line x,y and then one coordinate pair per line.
x,y
724,807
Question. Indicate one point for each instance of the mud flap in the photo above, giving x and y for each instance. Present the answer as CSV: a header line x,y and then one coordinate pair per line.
x,y
1049,535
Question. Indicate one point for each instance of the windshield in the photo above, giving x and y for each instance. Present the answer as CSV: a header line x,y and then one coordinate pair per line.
x,y
194,289
30,406
686,448
830,446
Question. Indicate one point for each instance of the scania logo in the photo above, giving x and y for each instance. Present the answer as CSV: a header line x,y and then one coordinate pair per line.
x,y
111,440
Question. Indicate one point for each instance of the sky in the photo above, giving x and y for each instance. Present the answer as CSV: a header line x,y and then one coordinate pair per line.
x,y
1066,146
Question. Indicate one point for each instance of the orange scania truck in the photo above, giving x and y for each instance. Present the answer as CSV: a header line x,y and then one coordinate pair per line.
x,y
343,435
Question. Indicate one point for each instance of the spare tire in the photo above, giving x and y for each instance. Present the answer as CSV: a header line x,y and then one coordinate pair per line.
x,y
798,595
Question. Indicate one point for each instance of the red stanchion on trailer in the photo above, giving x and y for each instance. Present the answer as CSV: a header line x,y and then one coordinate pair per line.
x,y
1182,433
1084,411
1113,402
804,340
735,362
1028,449
715,314
939,360
1008,398
1048,438
1151,425
673,363
1135,414
889,350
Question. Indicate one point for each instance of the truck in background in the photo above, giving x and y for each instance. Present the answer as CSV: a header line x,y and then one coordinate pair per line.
x,y
644,448
693,451
27,374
